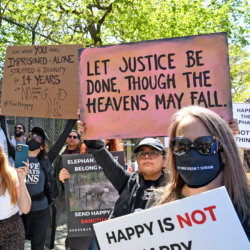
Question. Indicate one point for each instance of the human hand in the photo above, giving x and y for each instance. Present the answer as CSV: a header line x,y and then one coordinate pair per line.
x,y
81,128
23,171
63,175
94,144
233,124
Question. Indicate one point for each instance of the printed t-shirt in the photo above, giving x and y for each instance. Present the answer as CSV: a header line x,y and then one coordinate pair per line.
x,y
35,181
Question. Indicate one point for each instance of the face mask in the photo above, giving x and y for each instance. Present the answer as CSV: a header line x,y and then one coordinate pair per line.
x,y
198,170
33,144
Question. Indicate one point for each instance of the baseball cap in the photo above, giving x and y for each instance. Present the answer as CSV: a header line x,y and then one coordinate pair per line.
x,y
39,131
155,143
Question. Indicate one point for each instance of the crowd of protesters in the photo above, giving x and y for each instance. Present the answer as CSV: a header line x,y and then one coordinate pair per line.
x,y
198,136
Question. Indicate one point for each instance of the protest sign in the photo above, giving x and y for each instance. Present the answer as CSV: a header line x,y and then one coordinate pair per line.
x,y
144,83
41,81
241,111
205,221
90,197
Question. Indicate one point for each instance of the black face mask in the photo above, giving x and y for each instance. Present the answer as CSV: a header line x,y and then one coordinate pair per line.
x,y
198,170
33,144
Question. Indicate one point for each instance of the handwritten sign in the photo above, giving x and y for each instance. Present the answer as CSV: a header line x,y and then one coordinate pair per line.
x,y
41,81
205,221
241,111
90,197
133,89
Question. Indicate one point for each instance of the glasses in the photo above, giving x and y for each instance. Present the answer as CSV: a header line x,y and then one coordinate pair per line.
x,y
204,145
151,154
72,136
38,138
18,128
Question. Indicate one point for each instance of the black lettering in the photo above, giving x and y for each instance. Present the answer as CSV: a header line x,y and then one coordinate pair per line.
x,y
145,101
159,61
139,230
126,65
141,63
206,77
130,232
216,100
170,60
111,237
149,61
97,67
187,78
91,104
198,57
169,225
190,58
187,247
88,70
121,236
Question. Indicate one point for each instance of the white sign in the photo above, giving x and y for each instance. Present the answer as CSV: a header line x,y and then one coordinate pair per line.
x,y
241,111
166,141
206,221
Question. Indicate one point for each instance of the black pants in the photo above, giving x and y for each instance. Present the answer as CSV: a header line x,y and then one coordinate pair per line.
x,y
36,224
80,243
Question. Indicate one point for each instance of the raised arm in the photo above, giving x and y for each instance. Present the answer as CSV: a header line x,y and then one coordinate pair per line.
x,y
11,147
55,149
116,173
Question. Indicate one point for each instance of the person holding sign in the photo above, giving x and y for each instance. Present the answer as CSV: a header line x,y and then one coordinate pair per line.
x,y
202,156
37,220
74,146
14,197
132,187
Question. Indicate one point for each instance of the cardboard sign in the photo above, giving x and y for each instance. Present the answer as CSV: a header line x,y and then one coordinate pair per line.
x,y
205,221
241,111
41,81
132,90
90,197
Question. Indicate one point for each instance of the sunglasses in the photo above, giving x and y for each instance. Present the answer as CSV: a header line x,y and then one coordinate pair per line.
x,y
204,145
38,138
18,128
151,154
72,136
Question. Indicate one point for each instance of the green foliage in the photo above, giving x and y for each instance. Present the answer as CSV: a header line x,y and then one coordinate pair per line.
x,y
101,22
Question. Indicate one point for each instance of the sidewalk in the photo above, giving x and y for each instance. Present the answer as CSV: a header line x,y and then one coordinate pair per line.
x,y
61,233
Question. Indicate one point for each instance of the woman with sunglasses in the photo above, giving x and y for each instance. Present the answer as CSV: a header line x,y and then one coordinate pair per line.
x,y
203,155
134,188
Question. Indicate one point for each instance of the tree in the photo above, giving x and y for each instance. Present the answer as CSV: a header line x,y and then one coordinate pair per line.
x,y
101,22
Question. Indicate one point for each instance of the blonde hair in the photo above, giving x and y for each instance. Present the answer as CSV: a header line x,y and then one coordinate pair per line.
x,y
8,178
234,173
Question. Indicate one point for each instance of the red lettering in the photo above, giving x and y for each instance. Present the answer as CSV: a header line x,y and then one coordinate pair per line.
x,y
93,220
203,219
187,220
209,209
